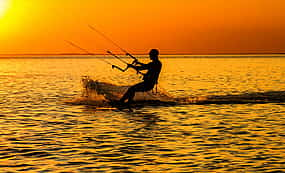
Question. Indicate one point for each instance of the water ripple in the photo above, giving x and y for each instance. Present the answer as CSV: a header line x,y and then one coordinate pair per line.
x,y
39,133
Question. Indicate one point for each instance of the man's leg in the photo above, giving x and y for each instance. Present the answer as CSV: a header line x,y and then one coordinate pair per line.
x,y
130,94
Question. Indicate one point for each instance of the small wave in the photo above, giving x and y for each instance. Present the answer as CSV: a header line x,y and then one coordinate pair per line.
x,y
255,97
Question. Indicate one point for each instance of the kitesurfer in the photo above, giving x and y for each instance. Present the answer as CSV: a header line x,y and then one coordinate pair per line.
x,y
150,78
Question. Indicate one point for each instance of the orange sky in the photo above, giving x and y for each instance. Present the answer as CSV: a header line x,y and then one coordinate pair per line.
x,y
173,26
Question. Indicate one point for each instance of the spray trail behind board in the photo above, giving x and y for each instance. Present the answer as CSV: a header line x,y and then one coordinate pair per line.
x,y
100,94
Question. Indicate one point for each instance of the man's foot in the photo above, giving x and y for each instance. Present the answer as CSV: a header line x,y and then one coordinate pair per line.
x,y
117,103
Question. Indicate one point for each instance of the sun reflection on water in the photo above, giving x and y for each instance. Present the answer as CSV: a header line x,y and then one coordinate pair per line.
x,y
39,133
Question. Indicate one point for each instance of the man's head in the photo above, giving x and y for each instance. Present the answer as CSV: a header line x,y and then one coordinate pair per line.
x,y
153,54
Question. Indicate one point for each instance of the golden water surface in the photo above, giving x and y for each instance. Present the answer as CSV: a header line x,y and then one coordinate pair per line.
x,y
40,133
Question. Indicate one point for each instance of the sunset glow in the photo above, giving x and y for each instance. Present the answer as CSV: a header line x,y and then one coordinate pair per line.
x,y
3,7
173,26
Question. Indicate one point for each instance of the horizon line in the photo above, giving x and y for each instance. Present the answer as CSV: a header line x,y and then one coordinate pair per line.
x,y
85,54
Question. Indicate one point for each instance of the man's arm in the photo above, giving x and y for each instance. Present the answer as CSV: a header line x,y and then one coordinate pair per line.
x,y
140,63
141,66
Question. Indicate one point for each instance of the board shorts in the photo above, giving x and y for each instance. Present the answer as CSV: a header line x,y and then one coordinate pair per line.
x,y
142,87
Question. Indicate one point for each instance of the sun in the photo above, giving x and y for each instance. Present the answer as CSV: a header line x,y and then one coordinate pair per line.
x,y
3,7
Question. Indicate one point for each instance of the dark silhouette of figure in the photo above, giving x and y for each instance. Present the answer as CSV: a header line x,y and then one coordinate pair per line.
x,y
150,78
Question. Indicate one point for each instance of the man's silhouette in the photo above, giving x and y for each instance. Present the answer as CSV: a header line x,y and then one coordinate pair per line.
x,y
150,78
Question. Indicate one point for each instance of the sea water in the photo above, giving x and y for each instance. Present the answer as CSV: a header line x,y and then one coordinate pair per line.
x,y
41,133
